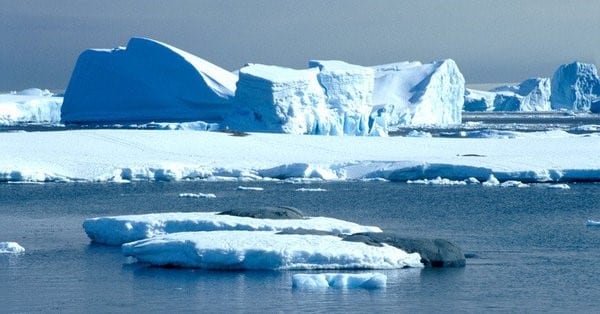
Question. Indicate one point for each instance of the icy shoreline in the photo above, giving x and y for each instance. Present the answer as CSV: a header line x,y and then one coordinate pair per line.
x,y
145,155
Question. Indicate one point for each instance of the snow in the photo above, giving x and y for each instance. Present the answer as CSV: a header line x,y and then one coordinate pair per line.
x,y
339,281
117,230
197,195
576,86
11,248
265,250
410,93
163,155
146,81
30,106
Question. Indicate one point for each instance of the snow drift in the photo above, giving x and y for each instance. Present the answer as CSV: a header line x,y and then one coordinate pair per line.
x,y
411,93
146,81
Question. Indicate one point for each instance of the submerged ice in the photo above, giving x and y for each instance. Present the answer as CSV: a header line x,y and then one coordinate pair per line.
x,y
339,281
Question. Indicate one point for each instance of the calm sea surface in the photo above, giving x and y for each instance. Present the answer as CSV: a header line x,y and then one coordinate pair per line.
x,y
530,248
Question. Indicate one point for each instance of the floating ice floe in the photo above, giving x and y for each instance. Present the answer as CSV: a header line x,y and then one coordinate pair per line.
x,y
339,281
117,230
249,188
437,181
592,223
266,250
197,195
311,190
11,248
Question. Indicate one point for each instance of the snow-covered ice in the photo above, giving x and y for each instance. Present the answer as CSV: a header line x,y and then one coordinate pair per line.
x,y
117,230
11,248
32,105
248,250
339,281
140,155
411,93
146,81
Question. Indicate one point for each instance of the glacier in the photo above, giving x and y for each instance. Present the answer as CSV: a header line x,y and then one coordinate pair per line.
x,y
576,87
30,106
266,250
144,82
411,93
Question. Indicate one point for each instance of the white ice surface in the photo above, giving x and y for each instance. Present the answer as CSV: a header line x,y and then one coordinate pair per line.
x,y
11,248
593,223
197,195
126,155
339,281
121,229
30,106
265,250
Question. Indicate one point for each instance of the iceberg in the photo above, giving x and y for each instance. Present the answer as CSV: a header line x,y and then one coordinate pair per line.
x,y
576,87
339,281
476,100
349,93
266,250
117,230
411,93
531,95
146,81
30,106
11,248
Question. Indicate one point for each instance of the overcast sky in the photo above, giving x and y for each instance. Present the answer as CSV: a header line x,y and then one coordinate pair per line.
x,y
492,41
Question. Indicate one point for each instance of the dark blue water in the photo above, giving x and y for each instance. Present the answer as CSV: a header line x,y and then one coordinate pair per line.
x,y
531,248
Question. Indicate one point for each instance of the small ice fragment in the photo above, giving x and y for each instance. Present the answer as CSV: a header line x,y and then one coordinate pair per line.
x,y
11,248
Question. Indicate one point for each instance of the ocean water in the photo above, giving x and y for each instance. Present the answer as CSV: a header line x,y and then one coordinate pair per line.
x,y
529,249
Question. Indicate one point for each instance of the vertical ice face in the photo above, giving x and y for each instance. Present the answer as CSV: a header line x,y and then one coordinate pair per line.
x,y
146,81
349,93
576,87
277,99
411,93
536,94
530,95
476,100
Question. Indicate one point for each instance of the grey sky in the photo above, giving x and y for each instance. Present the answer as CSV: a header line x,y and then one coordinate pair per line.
x,y
492,41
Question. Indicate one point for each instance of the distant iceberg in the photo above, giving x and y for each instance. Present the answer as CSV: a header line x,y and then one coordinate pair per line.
x,y
530,95
30,106
146,81
576,87
411,93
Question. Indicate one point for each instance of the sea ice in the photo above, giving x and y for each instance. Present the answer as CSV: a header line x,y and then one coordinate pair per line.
x,y
339,281
117,230
593,223
253,250
11,248
197,195
146,81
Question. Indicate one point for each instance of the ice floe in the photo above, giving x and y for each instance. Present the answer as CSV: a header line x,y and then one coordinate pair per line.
x,y
265,250
117,230
339,281
11,248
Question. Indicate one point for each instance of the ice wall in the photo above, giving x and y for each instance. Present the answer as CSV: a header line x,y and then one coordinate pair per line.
x,y
411,93
277,99
146,81
576,87
349,93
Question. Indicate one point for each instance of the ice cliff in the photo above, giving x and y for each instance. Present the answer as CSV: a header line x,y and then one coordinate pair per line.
x,y
277,99
576,86
146,81
411,93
